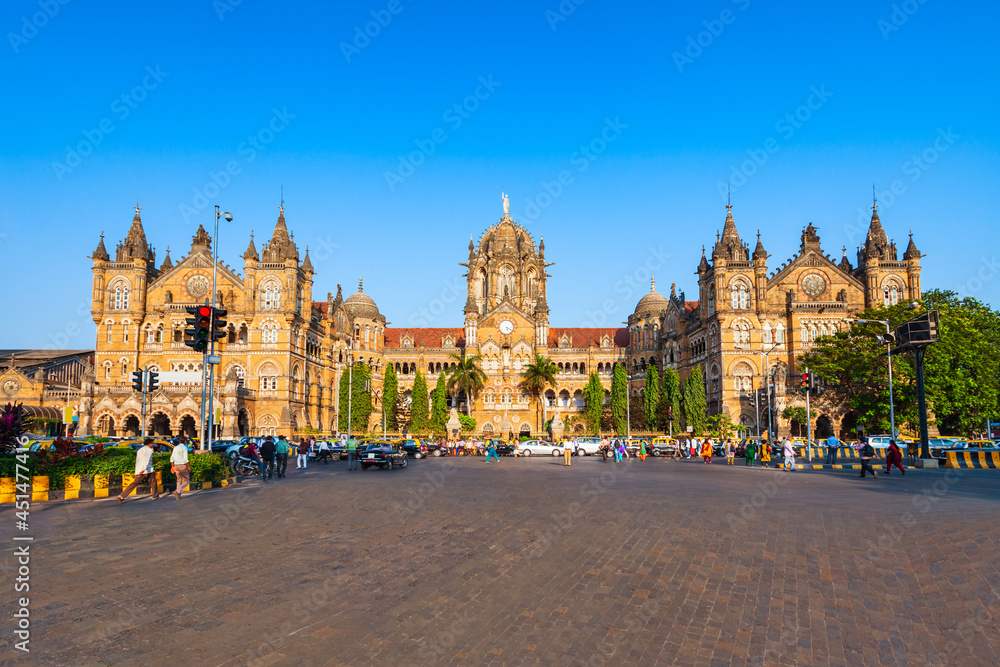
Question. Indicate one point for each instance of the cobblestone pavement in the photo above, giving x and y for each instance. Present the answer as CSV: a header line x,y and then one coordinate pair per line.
x,y
525,562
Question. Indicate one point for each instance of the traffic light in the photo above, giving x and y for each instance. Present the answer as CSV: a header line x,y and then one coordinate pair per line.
x,y
806,383
199,331
219,324
670,414
137,381
152,380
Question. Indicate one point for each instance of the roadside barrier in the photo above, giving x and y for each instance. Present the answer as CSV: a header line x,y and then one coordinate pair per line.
x,y
90,486
972,459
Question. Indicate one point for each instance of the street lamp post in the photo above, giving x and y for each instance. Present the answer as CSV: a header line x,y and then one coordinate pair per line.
x,y
886,340
206,442
350,385
767,390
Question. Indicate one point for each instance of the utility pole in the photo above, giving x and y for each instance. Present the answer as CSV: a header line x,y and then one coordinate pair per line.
x,y
809,425
145,385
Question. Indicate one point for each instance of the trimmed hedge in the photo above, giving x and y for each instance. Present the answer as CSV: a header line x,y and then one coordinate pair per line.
x,y
208,467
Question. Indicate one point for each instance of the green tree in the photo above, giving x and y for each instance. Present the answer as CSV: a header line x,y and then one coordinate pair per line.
x,y
390,398
593,397
468,423
670,399
419,405
798,416
439,405
619,399
536,377
721,427
695,404
466,377
651,397
359,403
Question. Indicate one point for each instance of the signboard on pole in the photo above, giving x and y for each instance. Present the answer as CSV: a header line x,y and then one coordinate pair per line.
x,y
68,415
181,377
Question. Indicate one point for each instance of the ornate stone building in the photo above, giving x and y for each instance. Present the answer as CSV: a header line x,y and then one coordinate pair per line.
x,y
284,354
744,310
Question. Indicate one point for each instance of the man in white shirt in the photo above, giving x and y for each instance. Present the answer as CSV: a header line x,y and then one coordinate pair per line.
x,y
789,453
180,467
144,473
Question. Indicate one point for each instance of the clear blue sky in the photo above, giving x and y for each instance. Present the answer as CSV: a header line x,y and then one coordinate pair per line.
x,y
892,85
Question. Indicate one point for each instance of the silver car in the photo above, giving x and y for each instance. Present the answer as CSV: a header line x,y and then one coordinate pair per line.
x,y
539,448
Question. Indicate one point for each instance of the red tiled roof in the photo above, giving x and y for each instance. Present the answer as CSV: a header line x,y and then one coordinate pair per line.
x,y
321,306
424,336
690,306
587,336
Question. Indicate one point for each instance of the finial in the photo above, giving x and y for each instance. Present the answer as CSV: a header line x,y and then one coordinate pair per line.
x,y
911,234
758,235
168,249
361,285
729,198
137,209
102,234
251,235
874,199
652,284
717,235
281,207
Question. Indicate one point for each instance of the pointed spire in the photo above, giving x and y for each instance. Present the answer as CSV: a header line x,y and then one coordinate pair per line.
x,y
541,245
201,239
251,252
911,249
167,264
759,253
281,246
703,265
135,245
101,252
845,264
306,264
729,230
876,243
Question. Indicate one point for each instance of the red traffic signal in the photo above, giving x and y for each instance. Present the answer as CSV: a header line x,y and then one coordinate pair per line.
x,y
805,382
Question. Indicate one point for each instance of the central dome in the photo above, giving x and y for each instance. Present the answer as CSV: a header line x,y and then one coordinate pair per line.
x,y
360,304
653,303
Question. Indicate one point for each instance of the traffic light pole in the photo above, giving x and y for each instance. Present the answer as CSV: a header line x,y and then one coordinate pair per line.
x,y
809,424
145,386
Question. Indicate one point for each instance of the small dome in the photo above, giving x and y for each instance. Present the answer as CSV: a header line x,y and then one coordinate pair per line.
x,y
360,304
652,303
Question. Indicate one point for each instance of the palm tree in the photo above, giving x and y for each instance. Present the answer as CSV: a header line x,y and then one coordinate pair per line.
x,y
538,375
466,377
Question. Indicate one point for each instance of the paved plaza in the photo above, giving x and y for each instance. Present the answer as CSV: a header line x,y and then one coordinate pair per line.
x,y
526,562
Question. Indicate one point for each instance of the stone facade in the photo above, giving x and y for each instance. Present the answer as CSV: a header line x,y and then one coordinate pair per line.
x,y
284,353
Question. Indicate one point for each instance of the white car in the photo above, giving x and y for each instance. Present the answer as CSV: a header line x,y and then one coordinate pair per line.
x,y
539,448
588,446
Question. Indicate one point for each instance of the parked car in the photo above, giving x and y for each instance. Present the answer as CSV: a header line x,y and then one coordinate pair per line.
x,y
540,448
221,446
413,447
588,446
382,454
664,446
504,447
436,449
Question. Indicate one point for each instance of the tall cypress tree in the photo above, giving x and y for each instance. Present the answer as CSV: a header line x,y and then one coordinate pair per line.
x,y
360,399
390,398
619,398
419,405
651,397
695,403
593,397
670,400
439,405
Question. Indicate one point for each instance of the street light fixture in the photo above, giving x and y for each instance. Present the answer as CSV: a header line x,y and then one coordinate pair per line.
x,y
206,429
888,339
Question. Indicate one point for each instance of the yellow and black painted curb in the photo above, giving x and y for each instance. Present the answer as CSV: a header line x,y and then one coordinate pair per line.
x,y
91,486
972,459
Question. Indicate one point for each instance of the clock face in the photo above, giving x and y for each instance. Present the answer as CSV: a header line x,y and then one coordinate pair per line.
x,y
506,327
814,285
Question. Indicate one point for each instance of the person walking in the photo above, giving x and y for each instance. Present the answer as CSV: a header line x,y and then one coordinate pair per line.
x,y
267,452
180,467
765,454
730,452
303,458
642,450
352,453
831,450
750,453
604,450
281,456
324,452
894,457
567,452
144,473
789,453
491,452
706,451
867,454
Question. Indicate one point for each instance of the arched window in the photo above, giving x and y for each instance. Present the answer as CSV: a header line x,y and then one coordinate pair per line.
x,y
150,335
107,370
711,299
804,334
740,296
121,296
109,328
270,296
125,334
779,333
766,335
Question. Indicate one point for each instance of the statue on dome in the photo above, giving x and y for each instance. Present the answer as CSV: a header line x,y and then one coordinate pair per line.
x,y
506,204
